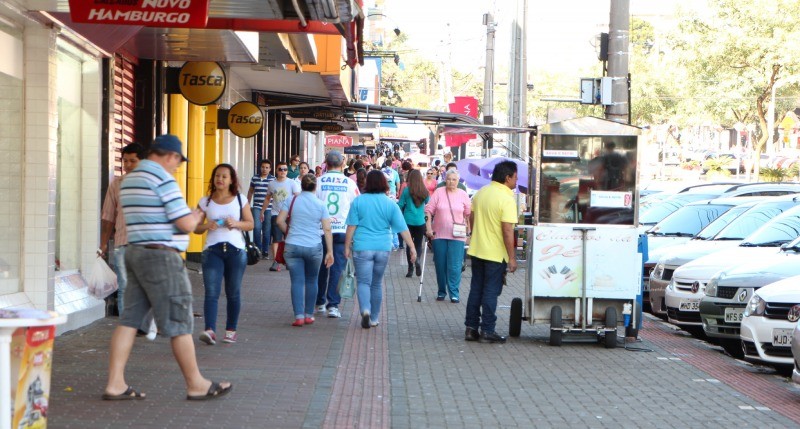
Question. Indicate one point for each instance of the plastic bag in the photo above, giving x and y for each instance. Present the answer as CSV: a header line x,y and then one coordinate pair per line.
x,y
347,280
102,280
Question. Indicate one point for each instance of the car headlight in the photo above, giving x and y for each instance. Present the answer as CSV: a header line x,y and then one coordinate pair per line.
x,y
671,285
658,271
711,287
755,307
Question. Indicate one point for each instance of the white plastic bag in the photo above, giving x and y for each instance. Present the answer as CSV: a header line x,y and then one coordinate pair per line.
x,y
102,280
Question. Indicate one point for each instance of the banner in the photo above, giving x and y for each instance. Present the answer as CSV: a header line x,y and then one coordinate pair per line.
x,y
149,13
464,106
338,141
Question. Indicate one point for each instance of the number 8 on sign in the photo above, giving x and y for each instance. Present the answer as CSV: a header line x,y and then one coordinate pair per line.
x,y
333,203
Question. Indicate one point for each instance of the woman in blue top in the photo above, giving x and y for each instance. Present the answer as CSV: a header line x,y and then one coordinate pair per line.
x,y
412,203
303,252
370,223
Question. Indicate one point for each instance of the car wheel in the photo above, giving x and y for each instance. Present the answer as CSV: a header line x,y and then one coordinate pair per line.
x,y
557,323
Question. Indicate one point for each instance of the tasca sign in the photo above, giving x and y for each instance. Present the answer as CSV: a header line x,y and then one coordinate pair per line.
x,y
245,119
338,141
149,13
202,82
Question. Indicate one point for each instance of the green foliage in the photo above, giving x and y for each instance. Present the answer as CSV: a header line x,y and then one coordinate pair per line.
x,y
773,174
717,166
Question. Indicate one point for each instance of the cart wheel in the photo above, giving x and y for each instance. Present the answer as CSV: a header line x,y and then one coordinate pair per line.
x,y
515,321
611,322
556,322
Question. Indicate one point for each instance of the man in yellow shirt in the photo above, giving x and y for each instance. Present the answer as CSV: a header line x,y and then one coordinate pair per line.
x,y
494,214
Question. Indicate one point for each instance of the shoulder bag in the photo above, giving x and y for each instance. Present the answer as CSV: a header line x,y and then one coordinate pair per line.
x,y
459,229
253,254
347,280
282,244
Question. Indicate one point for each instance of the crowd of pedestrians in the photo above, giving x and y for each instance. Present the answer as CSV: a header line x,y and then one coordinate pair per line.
x,y
359,211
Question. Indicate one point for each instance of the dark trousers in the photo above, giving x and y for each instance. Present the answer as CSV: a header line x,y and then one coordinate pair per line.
x,y
417,234
328,281
485,287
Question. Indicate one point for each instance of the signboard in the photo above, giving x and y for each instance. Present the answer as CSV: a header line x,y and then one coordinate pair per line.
x,y
611,199
560,153
149,13
245,119
338,141
356,150
323,115
613,264
327,127
202,82
31,365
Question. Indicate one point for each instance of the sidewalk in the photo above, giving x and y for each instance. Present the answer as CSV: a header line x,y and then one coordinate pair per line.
x,y
413,371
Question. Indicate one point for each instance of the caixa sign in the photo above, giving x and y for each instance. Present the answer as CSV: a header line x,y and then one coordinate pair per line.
x,y
149,13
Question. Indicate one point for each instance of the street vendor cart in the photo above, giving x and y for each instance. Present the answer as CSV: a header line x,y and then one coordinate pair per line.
x,y
583,269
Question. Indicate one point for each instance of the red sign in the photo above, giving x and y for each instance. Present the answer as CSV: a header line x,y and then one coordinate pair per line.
x,y
465,106
338,141
149,13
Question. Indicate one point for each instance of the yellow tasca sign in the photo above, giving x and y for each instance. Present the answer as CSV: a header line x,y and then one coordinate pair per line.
x,y
245,119
202,82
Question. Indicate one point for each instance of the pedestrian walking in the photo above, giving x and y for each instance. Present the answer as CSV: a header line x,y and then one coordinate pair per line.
x,y
412,203
158,223
262,229
430,180
337,192
278,191
304,169
447,227
301,218
494,214
227,214
372,218
293,168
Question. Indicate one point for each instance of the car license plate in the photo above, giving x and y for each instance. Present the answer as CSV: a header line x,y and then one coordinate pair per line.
x,y
782,337
690,306
734,315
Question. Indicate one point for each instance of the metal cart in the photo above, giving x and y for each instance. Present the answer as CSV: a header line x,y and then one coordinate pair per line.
x,y
583,271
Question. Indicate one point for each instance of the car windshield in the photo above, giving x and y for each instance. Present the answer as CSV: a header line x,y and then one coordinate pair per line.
x,y
752,219
713,228
663,209
688,221
777,231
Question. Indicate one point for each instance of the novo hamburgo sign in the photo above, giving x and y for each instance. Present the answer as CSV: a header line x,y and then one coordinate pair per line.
x,y
149,13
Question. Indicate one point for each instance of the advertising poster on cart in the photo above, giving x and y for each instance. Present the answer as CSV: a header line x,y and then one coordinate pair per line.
x,y
613,265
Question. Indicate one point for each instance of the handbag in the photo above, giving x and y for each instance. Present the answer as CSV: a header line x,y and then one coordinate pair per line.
x,y
347,280
282,244
253,254
459,229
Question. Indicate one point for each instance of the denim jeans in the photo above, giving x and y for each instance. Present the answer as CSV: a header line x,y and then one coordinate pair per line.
x,y
485,287
303,264
448,256
223,261
122,276
370,266
328,283
261,230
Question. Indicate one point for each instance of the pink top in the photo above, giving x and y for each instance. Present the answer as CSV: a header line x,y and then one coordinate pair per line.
x,y
431,185
112,212
442,220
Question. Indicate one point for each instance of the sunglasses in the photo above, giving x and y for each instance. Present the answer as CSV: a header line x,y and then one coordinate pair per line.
x,y
283,169
431,174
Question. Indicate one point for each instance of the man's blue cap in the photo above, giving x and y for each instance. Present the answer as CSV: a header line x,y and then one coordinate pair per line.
x,y
169,143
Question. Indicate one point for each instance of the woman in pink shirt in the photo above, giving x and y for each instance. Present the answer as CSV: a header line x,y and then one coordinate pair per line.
x,y
430,180
448,231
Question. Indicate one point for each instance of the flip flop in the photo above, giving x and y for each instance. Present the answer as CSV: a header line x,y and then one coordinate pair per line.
x,y
215,391
129,393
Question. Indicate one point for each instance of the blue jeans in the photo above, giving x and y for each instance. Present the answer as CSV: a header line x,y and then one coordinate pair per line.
x,y
370,266
261,230
122,276
485,287
223,260
303,264
328,283
448,256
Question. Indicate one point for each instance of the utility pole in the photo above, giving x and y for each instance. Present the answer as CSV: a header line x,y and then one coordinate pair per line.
x,y
618,57
488,82
517,84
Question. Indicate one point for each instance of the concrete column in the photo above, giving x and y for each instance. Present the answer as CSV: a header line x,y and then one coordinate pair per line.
x,y
618,57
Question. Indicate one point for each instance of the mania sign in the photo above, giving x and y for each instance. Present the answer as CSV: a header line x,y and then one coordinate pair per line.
x,y
202,82
149,13
245,119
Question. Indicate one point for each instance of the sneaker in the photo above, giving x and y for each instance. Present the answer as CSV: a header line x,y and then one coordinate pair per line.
x,y
309,320
275,267
279,267
333,312
153,331
471,335
230,337
365,320
491,337
374,324
265,255
299,322
321,308
208,337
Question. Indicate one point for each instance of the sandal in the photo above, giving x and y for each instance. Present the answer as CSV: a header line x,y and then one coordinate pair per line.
x,y
129,393
215,391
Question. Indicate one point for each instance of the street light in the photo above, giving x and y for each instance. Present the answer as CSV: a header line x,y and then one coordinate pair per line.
x,y
396,29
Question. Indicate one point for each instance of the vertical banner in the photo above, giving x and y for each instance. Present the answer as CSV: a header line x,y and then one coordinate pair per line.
x,y
464,106
32,362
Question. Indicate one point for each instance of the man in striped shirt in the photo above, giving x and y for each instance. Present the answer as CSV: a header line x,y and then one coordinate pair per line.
x,y
256,194
158,222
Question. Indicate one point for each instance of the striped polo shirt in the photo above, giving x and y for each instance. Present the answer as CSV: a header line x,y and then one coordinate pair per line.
x,y
152,201
259,185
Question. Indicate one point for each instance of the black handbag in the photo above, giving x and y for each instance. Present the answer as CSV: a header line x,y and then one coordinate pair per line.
x,y
253,253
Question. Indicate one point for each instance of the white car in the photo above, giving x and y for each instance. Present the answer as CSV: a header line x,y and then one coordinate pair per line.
x,y
796,348
769,322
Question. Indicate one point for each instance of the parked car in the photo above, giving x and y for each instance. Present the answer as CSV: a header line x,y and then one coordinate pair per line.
x,y
727,231
769,322
682,297
728,292
794,311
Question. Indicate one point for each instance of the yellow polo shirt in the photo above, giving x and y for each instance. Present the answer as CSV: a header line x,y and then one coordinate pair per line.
x,y
491,205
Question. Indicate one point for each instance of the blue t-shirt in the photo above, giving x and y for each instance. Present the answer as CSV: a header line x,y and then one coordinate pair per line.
x,y
414,216
375,217
306,222
393,179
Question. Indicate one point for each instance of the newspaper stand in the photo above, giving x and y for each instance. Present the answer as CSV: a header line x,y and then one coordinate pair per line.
x,y
583,269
